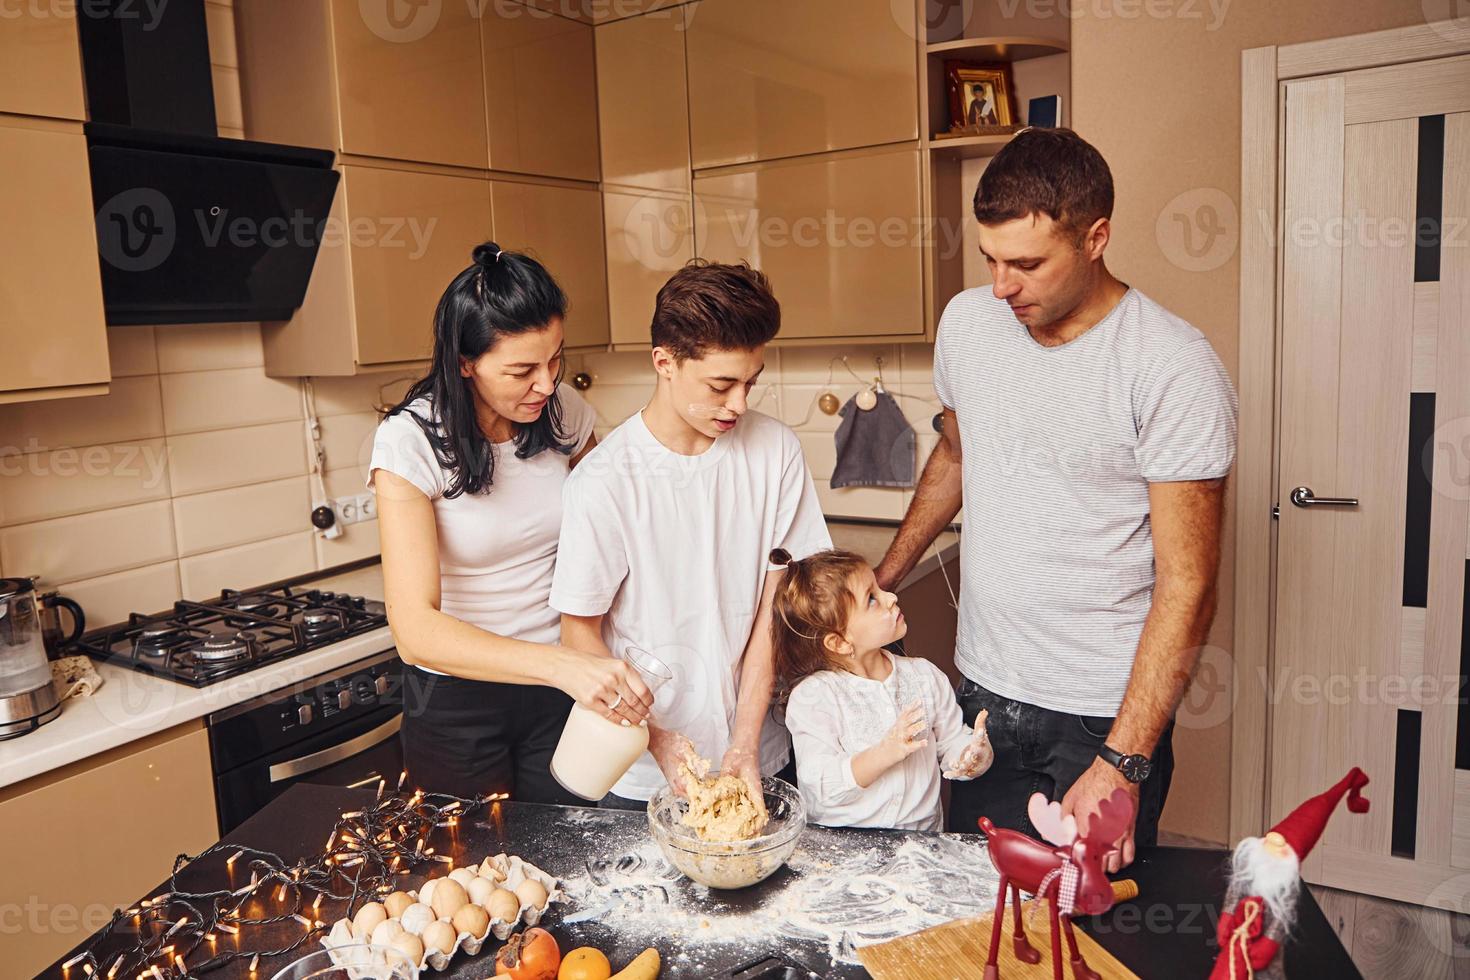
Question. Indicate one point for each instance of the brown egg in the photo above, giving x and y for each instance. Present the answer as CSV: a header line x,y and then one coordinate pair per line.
x,y
448,897
503,906
531,892
396,903
367,919
409,945
439,936
472,919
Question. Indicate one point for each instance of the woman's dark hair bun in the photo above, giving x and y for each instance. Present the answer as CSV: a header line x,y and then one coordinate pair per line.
x,y
780,556
486,254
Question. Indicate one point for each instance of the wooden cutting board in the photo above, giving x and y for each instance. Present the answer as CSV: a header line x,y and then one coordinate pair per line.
x,y
957,951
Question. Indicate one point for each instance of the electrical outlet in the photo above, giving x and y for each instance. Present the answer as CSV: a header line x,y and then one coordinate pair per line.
x,y
367,506
347,510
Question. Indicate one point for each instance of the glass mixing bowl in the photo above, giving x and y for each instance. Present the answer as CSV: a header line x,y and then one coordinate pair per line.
x,y
729,864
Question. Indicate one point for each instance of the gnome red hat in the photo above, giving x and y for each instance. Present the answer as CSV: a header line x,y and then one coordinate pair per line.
x,y
1305,824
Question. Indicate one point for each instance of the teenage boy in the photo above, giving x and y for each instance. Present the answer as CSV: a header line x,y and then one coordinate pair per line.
x,y
668,525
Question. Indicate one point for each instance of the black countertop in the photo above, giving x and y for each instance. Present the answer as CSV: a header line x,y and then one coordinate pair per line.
x,y
1168,931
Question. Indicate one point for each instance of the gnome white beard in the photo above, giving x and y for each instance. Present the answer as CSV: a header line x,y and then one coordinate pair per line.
x,y
1254,870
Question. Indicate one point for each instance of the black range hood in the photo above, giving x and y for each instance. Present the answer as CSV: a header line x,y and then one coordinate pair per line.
x,y
191,227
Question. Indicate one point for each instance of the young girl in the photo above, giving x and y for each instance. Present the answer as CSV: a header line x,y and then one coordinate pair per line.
x,y
871,730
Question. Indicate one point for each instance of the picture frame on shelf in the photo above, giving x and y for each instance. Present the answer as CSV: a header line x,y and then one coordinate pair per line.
x,y
980,98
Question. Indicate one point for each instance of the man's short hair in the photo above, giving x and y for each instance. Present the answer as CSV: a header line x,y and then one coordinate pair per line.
x,y
1053,172
713,306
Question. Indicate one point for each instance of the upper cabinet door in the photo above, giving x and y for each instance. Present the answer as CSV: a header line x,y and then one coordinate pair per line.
x,y
644,100
410,234
41,62
561,227
540,92
411,87
779,78
52,327
840,236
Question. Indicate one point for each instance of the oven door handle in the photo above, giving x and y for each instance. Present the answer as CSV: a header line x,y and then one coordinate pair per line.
x,y
290,769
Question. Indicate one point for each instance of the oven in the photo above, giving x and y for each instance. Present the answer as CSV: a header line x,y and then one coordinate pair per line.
x,y
338,729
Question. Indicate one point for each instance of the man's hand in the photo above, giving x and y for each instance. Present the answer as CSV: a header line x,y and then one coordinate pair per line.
x,y
977,756
1093,786
743,762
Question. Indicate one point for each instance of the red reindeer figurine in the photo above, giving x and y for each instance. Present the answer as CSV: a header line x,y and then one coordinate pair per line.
x,y
1068,873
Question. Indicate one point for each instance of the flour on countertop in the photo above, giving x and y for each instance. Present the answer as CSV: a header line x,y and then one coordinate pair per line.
x,y
835,896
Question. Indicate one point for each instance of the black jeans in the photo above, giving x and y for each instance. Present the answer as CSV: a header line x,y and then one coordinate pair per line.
x,y
472,738
1042,751
612,801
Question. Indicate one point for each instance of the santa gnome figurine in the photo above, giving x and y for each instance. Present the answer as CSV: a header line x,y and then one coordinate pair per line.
x,y
1265,878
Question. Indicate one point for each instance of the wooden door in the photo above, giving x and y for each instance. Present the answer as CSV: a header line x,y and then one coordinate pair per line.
x,y
1374,402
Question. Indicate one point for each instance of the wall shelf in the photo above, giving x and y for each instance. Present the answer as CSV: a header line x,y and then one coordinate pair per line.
x,y
998,49
968,147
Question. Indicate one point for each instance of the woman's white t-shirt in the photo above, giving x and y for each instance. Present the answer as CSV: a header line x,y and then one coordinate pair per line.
x,y
497,550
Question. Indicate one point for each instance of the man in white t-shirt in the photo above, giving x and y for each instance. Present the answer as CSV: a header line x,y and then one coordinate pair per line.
x,y
1097,432
668,525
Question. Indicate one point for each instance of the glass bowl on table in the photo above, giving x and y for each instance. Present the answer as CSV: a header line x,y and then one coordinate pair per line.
x,y
360,961
729,864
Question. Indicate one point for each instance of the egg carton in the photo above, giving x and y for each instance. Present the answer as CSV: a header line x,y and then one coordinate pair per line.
x,y
510,871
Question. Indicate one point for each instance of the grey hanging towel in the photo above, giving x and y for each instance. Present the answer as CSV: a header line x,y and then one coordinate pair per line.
x,y
874,448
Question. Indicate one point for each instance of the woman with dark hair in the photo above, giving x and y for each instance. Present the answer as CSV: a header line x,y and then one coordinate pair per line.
x,y
468,470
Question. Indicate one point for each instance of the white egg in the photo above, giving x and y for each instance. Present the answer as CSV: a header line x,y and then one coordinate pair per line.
x,y
426,891
480,889
416,918
386,932
463,875
367,919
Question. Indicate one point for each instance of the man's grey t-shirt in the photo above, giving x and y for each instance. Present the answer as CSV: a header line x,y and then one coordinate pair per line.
x,y
1060,445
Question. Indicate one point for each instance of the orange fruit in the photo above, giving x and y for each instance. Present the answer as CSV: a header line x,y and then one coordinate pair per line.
x,y
584,963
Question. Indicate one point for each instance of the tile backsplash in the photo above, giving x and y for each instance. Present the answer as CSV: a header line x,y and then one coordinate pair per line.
x,y
189,476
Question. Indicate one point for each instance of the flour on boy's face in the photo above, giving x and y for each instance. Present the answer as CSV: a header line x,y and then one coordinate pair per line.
x,y
712,392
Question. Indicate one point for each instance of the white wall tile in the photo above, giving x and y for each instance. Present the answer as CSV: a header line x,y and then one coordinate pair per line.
x,y
812,365
41,486
820,452
90,545
203,576
877,503
130,411
361,394
347,441
235,457
358,541
209,347
226,518
201,401
131,351
108,599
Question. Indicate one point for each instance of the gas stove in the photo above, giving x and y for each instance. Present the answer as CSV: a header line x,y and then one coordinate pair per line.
x,y
200,643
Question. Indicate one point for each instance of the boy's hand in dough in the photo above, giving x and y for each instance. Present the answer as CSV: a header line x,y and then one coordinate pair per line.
x,y
977,756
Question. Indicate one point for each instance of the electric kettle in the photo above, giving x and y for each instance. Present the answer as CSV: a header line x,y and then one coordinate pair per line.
x,y
27,700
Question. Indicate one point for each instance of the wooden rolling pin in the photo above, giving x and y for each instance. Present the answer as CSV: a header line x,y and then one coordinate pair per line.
x,y
1125,890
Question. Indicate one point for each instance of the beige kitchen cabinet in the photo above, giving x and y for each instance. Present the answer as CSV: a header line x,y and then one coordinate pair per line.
x,y
96,835
41,62
774,78
398,81
561,226
643,100
840,235
395,240
52,325
540,93
650,236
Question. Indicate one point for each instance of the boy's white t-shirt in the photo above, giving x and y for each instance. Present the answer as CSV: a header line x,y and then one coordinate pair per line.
x,y
674,550
496,549
834,715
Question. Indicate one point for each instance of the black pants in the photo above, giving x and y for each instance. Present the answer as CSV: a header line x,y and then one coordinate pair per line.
x,y
1042,751
612,801
471,738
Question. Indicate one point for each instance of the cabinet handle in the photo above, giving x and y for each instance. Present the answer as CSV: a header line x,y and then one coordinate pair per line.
x,y
1303,497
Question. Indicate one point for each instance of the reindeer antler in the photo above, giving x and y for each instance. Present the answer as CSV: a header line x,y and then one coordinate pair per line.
x,y
1049,822
1114,817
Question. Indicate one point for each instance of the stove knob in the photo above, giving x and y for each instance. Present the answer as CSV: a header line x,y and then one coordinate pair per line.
x,y
380,684
359,602
344,699
303,714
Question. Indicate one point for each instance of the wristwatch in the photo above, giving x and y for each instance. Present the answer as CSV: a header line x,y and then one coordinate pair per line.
x,y
1135,768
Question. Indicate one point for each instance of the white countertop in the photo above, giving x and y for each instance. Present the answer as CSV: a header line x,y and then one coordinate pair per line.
x,y
131,705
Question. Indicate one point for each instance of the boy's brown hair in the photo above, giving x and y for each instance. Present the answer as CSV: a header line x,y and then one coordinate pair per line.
x,y
1053,172
713,306
813,600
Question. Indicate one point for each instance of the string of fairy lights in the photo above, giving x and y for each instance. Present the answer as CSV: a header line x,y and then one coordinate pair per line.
x,y
182,934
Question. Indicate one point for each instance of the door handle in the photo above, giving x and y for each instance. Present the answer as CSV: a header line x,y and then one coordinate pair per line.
x,y
326,757
1303,497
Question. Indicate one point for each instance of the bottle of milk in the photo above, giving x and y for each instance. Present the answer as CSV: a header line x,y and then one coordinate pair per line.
x,y
594,752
